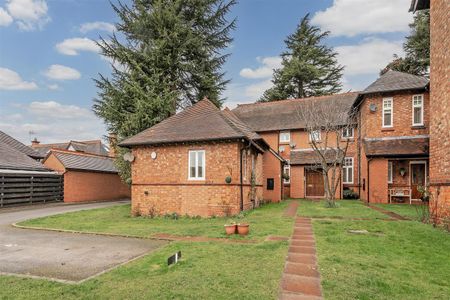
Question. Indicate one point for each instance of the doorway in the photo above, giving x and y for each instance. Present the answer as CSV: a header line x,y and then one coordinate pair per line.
x,y
418,177
314,183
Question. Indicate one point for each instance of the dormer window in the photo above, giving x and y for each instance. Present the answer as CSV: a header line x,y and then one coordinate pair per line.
x,y
388,112
417,110
285,136
314,136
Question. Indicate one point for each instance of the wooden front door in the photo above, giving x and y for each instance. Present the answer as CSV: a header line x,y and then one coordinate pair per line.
x,y
314,184
417,179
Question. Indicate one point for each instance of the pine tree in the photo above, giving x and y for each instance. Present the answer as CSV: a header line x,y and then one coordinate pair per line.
x,y
416,46
309,68
168,55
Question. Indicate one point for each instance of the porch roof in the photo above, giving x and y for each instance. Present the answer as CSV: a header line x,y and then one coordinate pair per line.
x,y
397,146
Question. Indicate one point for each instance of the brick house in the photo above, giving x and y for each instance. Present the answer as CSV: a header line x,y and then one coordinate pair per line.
x,y
439,167
202,161
91,147
394,133
87,177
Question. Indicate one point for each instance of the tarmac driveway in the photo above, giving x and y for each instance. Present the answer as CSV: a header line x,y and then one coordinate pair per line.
x,y
63,256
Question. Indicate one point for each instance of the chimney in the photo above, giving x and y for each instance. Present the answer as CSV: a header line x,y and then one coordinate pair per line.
x,y
112,138
35,142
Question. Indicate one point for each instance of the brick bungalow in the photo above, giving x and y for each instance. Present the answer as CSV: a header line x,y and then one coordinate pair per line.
x,y
202,161
87,177
439,167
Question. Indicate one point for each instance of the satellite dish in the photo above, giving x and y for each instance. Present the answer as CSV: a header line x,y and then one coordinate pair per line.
x,y
128,157
373,107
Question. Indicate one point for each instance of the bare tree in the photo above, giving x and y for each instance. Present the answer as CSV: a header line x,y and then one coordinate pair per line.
x,y
327,123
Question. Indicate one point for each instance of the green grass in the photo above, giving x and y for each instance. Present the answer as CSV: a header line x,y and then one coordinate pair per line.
x,y
263,221
405,210
345,209
207,271
394,260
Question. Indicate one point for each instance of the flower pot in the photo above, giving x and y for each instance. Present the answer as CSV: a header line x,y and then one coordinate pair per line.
x,y
230,229
243,229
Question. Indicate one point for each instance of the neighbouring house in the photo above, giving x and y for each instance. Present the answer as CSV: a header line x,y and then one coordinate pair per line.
x,y
91,147
87,177
280,124
394,124
439,167
23,179
202,161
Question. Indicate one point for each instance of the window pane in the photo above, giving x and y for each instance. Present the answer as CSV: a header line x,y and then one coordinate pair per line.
x,y
192,163
200,163
387,118
417,115
350,175
344,177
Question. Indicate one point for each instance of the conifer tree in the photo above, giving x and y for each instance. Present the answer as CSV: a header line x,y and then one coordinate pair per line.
x,y
309,68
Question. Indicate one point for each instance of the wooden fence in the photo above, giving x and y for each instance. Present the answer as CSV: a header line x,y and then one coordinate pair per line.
x,y
30,188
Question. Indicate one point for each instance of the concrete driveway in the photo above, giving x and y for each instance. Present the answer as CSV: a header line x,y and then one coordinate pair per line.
x,y
68,257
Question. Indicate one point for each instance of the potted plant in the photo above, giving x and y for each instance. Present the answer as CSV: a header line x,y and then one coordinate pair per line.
x,y
230,228
243,228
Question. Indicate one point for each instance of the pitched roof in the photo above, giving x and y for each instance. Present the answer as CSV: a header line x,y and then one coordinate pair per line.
x,y
397,146
396,81
11,158
91,147
85,162
310,157
283,114
15,144
201,122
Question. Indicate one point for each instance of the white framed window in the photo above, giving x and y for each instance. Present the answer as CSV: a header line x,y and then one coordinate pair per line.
x,y
388,112
390,172
197,165
347,170
314,135
417,110
287,171
285,136
347,132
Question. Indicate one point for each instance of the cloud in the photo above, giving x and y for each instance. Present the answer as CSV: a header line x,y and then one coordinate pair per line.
x,y
86,27
28,14
256,90
56,110
60,72
10,80
5,18
75,45
368,57
53,87
266,70
353,17
51,121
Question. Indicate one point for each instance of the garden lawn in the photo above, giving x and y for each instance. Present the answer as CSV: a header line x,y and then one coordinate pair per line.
x,y
405,210
264,221
206,271
346,209
394,260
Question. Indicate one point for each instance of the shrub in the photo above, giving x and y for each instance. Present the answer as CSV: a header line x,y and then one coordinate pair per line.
x,y
350,194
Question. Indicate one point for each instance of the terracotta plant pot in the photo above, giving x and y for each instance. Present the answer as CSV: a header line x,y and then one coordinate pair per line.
x,y
230,229
243,229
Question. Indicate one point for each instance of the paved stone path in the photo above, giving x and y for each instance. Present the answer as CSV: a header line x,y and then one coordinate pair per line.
x,y
291,210
301,278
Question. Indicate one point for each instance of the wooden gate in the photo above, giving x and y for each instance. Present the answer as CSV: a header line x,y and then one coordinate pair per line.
x,y
18,188
314,183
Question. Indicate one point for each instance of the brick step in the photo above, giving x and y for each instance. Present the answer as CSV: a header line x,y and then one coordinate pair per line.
x,y
302,249
302,258
304,243
301,269
297,296
301,284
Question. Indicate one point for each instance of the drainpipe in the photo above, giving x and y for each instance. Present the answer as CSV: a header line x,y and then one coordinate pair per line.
x,y
368,179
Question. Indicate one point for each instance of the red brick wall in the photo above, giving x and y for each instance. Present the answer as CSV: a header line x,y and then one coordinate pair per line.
x,y
92,186
162,186
271,168
371,122
297,182
378,181
440,104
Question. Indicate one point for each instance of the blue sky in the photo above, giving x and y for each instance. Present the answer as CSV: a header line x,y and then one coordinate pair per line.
x,y
48,59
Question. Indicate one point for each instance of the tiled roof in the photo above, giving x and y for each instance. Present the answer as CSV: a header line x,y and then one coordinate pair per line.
x,y
85,162
11,158
396,81
15,144
310,157
401,146
283,114
200,122
91,147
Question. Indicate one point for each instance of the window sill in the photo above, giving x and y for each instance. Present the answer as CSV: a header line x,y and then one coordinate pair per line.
x,y
388,129
418,127
349,139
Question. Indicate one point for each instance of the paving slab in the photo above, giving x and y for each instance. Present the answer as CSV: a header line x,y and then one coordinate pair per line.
x,y
301,284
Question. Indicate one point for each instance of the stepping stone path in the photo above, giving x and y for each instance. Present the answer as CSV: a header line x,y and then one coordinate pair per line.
x,y
301,278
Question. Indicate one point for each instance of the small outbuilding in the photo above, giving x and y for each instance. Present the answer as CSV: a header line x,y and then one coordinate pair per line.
x,y
87,177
